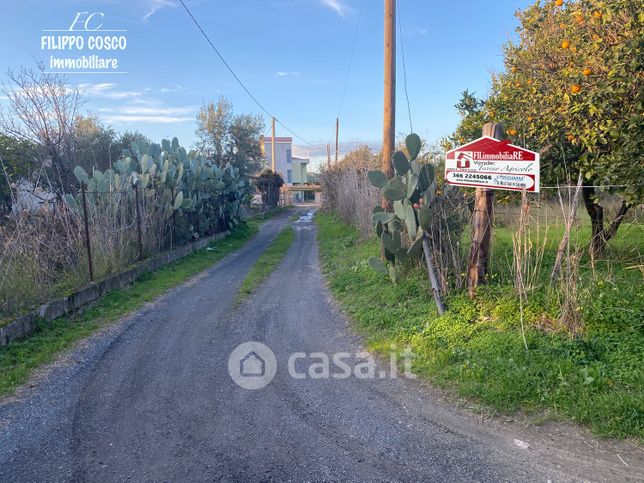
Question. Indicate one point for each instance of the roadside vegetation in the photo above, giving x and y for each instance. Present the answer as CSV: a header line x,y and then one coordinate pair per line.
x,y
477,348
19,359
266,263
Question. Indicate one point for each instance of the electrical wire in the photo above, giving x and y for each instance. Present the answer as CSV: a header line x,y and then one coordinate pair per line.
x,y
239,81
402,51
351,56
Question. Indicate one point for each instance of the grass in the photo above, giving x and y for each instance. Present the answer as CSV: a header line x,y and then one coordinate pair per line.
x,y
476,349
20,358
266,263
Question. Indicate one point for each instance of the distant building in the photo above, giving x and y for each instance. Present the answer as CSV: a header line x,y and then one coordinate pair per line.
x,y
291,168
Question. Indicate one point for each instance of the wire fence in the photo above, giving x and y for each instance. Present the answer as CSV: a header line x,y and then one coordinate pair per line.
x,y
58,245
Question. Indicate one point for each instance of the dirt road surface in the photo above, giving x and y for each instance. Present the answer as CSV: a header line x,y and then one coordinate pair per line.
x,y
151,399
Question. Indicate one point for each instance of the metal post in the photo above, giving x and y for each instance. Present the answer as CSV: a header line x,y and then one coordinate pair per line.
x,y
138,221
87,241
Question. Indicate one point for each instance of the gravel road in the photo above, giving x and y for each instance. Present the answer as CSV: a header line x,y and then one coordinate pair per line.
x,y
151,399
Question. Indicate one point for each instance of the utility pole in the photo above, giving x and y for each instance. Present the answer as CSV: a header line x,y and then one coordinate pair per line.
x,y
337,131
328,155
273,148
389,124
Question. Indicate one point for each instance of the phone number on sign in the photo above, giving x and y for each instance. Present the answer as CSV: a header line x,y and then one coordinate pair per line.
x,y
472,176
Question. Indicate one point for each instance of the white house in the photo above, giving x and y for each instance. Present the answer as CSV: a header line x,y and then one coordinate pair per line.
x,y
292,169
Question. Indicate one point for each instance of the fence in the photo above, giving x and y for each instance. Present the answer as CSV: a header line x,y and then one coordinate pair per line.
x,y
64,244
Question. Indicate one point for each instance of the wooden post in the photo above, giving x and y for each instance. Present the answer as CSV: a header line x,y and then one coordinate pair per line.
x,y
431,273
138,222
88,245
273,148
337,134
389,123
482,220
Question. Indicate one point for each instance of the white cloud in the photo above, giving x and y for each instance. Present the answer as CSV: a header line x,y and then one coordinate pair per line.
x,y
154,6
151,111
287,73
337,6
126,119
106,90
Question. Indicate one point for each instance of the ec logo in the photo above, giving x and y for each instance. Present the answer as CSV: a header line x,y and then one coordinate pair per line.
x,y
87,22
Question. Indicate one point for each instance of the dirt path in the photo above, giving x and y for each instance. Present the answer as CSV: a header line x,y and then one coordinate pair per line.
x,y
152,400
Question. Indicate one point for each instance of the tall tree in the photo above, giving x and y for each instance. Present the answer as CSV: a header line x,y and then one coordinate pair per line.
x,y
572,89
228,138
42,108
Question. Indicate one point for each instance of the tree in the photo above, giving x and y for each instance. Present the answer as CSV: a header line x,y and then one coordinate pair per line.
x,y
18,161
571,89
471,110
95,145
42,109
269,183
228,138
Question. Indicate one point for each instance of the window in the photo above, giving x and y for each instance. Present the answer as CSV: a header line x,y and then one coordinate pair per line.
x,y
289,156
289,176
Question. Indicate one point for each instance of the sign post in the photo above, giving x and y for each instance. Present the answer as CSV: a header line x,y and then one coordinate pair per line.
x,y
489,163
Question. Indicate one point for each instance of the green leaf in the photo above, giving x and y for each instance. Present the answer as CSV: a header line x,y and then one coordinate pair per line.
x,y
410,220
383,217
393,194
388,242
377,209
413,145
377,265
178,200
399,209
416,247
426,177
401,165
379,228
401,255
377,178
424,217
412,182
81,175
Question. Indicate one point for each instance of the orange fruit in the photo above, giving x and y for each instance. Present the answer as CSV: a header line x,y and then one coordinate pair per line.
x,y
562,25
597,15
529,82
512,132
587,71
575,88
579,17
571,137
565,44
530,118
558,3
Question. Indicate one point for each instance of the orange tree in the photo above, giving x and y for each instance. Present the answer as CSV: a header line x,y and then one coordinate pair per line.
x,y
573,90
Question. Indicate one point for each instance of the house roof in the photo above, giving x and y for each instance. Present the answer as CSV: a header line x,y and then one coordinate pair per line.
x,y
301,160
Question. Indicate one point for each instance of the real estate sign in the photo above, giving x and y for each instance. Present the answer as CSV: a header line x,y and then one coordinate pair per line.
x,y
495,164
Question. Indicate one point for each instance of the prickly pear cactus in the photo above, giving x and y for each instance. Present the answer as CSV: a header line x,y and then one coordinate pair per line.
x,y
411,192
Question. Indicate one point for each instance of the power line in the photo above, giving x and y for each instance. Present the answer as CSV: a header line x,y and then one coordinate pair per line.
x,y
402,51
259,104
353,50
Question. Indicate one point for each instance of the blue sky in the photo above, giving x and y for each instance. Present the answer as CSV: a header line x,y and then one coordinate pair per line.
x,y
291,54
